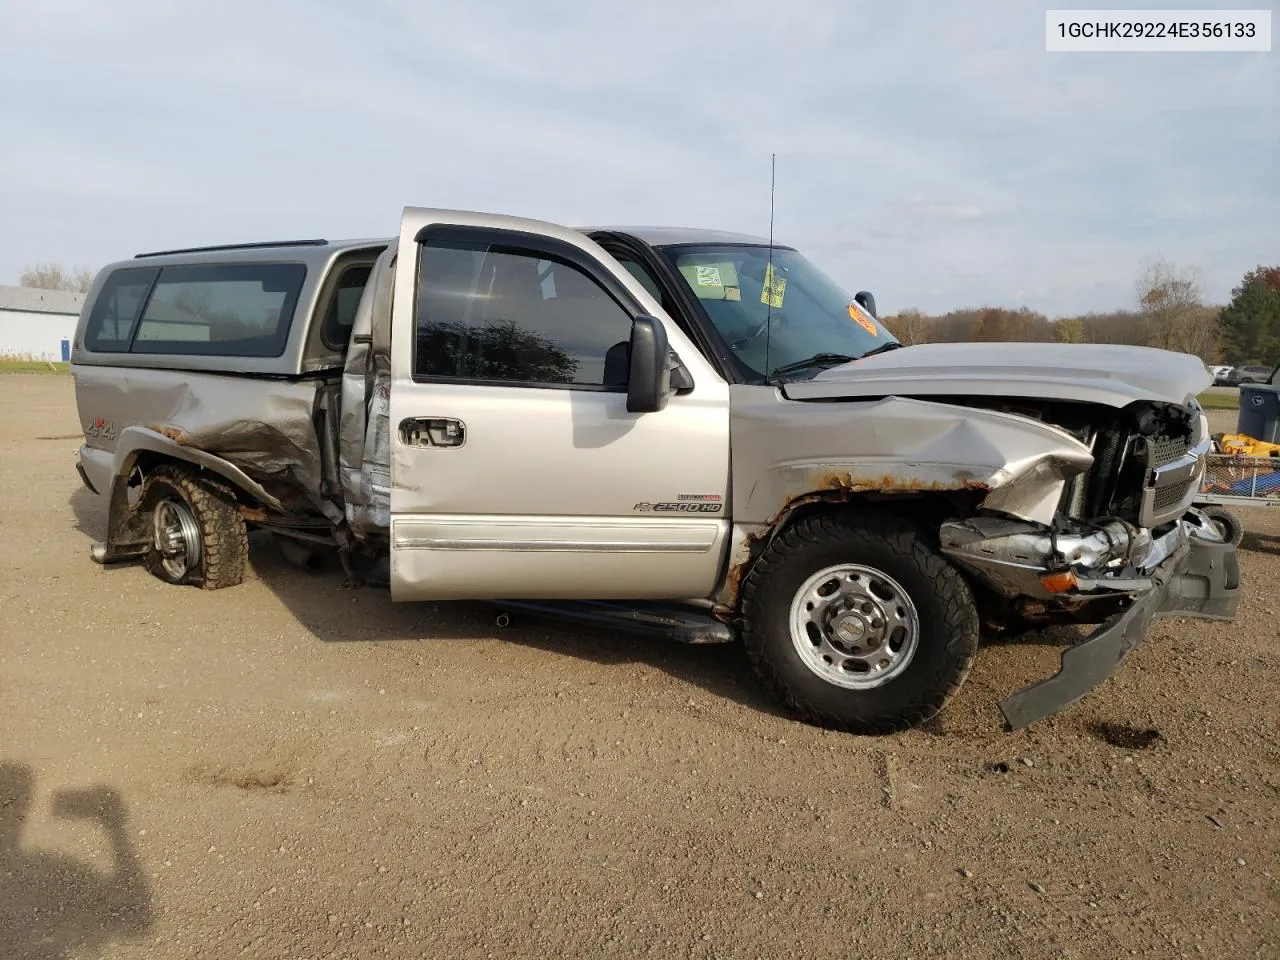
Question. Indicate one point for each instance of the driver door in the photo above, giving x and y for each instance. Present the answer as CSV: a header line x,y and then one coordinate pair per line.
x,y
516,469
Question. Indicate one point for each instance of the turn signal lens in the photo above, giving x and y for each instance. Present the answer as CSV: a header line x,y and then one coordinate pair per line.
x,y
1060,582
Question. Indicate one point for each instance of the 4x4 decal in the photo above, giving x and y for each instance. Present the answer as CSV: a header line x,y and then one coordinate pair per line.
x,y
101,428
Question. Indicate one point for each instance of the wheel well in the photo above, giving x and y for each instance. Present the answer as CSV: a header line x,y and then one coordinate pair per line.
x,y
927,511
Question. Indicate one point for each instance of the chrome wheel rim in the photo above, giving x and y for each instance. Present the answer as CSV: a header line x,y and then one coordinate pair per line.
x,y
854,626
176,536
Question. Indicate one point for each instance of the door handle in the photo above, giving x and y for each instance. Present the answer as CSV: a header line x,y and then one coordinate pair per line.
x,y
432,432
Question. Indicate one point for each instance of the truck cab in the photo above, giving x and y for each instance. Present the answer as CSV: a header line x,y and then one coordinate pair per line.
x,y
670,428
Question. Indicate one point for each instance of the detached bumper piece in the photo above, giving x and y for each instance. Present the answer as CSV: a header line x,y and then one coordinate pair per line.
x,y
1201,581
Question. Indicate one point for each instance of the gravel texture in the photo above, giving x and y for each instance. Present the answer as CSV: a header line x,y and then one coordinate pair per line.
x,y
287,769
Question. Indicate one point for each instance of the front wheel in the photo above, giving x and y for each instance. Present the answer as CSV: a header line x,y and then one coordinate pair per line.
x,y
856,623
1227,522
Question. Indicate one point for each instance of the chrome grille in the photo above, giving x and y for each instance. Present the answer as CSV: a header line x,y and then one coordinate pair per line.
x,y
1173,477
1164,450
1167,497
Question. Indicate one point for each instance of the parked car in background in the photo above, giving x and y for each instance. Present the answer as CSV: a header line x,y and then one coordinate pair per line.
x,y
1249,373
1220,374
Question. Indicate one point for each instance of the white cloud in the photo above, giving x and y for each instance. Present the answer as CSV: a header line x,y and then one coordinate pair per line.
x,y
932,153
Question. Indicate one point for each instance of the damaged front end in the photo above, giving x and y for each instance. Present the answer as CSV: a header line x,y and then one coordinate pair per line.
x,y
1124,547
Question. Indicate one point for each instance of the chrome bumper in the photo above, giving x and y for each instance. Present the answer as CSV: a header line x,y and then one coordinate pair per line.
x,y
1013,557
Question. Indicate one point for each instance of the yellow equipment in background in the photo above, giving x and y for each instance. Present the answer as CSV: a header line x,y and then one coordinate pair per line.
x,y
1238,445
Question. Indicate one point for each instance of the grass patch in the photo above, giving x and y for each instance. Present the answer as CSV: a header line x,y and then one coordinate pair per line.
x,y
1220,401
8,365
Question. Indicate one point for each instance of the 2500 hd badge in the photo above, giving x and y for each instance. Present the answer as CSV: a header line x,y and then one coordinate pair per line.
x,y
687,507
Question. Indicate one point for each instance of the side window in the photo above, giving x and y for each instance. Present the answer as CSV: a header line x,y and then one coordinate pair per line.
x,y
341,316
502,314
231,310
645,280
111,321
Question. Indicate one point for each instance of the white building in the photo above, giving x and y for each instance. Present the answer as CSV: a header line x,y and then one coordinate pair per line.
x,y
35,323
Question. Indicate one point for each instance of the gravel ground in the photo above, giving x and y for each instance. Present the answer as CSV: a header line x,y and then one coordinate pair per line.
x,y
287,770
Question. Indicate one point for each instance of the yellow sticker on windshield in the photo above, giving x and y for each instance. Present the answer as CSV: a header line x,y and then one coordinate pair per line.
x,y
775,287
862,320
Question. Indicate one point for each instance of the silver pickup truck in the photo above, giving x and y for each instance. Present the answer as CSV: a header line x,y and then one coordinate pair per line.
x,y
692,433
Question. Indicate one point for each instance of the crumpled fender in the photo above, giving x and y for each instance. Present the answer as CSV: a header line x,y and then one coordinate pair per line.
x,y
171,443
784,451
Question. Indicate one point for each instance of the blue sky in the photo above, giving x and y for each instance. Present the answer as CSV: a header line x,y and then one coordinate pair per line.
x,y
932,153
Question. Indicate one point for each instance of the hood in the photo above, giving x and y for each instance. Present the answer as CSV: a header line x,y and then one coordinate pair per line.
x,y
1085,372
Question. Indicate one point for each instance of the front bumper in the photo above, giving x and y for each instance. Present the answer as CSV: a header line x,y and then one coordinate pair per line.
x,y
1201,580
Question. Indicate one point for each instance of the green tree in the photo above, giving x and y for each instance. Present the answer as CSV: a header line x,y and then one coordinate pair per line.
x,y
1251,322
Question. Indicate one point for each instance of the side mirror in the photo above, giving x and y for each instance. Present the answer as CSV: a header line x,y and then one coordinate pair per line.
x,y
649,382
867,302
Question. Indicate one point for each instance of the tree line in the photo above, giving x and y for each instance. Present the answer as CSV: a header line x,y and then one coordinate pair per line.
x,y
1170,313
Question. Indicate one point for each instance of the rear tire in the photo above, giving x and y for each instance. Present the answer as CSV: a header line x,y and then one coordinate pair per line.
x,y
198,536
856,623
1230,525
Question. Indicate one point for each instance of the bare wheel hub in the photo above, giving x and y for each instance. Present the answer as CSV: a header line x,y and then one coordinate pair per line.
x,y
854,626
176,536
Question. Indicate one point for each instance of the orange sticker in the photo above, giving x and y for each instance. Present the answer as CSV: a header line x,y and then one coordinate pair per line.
x,y
862,320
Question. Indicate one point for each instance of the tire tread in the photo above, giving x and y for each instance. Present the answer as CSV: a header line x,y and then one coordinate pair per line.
x,y
877,532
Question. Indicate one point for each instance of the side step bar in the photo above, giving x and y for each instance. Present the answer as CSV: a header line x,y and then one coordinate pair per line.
x,y
668,620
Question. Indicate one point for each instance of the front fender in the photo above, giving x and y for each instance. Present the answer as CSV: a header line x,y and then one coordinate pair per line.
x,y
784,450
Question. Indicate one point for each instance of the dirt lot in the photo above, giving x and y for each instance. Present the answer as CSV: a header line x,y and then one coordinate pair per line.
x,y
289,770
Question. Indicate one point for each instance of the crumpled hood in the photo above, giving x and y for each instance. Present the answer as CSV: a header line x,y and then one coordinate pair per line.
x,y
1087,372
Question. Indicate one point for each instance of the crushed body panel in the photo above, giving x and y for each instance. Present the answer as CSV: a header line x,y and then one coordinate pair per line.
x,y
783,451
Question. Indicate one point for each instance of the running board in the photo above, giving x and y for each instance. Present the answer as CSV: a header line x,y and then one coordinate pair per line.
x,y
670,621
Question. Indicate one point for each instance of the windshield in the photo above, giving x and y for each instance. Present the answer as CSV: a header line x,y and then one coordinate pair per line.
x,y
779,321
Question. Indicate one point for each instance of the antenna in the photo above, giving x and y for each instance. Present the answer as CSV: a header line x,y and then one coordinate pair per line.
x,y
770,278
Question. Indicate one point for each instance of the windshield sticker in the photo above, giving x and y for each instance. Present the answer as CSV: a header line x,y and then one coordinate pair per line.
x,y
862,320
775,287
732,293
708,276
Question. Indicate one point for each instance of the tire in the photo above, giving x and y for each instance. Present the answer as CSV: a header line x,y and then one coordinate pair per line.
x,y
1230,525
209,544
879,562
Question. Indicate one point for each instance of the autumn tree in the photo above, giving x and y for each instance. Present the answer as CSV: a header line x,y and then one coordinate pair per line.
x,y
53,276
910,326
1069,330
1251,322
995,324
1174,312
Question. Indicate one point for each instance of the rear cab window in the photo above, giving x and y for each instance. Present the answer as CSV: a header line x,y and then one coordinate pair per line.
x,y
221,310
340,317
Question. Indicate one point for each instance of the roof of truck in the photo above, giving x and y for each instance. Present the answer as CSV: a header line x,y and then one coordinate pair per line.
x,y
654,236
267,247
665,236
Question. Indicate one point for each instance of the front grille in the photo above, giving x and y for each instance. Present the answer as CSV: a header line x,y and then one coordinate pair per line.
x,y
1164,450
1168,497
1163,497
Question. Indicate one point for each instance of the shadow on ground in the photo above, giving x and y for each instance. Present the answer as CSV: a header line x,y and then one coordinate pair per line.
x,y
316,597
53,906
334,614
1261,543
90,512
